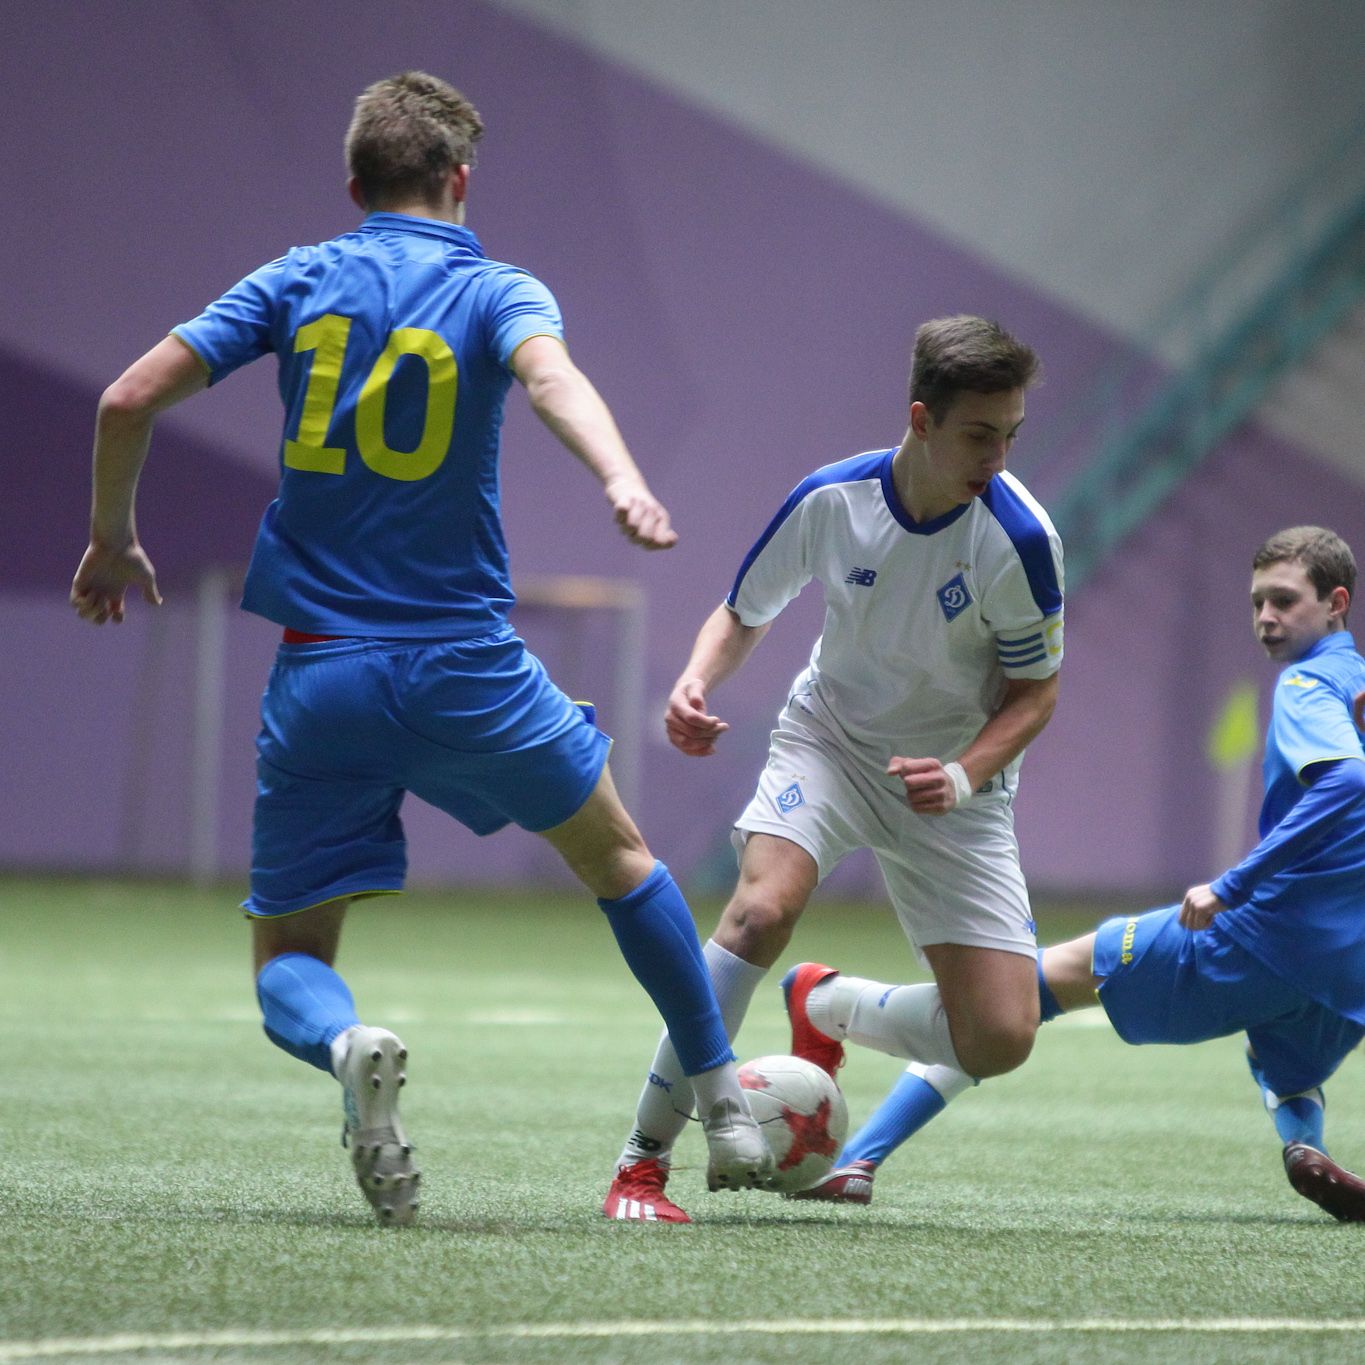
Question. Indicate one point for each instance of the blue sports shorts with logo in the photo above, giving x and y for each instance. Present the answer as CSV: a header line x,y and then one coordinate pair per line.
x,y
1167,984
474,727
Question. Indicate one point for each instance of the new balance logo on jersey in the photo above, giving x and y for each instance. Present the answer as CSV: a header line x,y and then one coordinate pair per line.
x,y
789,798
861,578
954,597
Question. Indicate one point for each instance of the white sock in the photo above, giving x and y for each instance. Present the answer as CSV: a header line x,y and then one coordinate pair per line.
x,y
905,1021
947,1080
720,1083
668,1098
340,1046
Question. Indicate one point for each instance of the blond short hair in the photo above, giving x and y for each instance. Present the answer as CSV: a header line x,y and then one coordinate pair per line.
x,y
407,134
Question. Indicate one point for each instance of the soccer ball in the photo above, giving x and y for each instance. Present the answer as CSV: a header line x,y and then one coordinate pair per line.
x,y
802,1114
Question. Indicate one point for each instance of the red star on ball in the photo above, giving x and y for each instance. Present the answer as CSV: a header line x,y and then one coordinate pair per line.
x,y
810,1133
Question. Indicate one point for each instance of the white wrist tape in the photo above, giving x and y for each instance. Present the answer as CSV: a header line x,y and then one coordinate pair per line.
x,y
962,788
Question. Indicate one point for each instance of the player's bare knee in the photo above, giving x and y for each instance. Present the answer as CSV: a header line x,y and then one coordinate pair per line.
x,y
610,857
601,845
757,926
998,1049
611,874
315,932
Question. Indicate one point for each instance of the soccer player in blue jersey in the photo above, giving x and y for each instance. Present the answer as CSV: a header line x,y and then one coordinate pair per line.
x,y
1274,947
383,560
937,665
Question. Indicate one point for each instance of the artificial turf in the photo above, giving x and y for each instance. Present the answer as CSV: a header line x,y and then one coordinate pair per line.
x,y
173,1189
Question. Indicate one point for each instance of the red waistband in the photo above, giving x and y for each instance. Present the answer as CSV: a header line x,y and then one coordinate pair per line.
x,y
298,637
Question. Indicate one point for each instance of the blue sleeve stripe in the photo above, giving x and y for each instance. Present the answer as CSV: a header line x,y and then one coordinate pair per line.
x,y
1030,540
1025,662
1019,646
853,470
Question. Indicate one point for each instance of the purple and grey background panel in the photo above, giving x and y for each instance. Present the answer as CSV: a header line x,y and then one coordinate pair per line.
x,y
746,310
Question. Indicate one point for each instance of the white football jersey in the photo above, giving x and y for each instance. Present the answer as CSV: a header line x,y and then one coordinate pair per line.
x,y
923,622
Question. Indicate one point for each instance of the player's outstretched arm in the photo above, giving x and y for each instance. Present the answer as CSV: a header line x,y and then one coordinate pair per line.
x,y
1358,710
565,400
934,788
114,561
722,646
1336,791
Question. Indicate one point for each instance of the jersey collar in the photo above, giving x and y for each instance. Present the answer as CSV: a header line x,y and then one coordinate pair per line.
x,y
1337,642
422,227
897,508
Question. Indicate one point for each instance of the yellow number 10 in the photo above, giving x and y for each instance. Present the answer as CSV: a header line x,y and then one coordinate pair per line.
x,y
326,337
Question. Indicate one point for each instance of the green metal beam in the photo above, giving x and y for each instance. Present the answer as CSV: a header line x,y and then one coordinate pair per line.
x,y
1137,469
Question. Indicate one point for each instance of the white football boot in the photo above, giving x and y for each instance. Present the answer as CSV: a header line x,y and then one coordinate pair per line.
x,y
371,1075
740,1159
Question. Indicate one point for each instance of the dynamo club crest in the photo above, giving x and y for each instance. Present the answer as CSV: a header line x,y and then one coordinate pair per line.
x,y
954,597
789,798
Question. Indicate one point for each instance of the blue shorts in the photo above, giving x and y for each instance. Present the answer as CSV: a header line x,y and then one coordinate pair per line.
x,y
1166,984
474,727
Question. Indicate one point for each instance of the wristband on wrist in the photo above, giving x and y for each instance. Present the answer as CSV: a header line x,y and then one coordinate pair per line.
x,y
962,788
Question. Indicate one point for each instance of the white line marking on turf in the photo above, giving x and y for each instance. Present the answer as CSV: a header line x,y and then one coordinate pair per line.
x,y
844,1327
533,1018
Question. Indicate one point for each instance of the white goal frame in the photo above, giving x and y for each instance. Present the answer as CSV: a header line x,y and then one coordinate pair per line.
x,y
215,594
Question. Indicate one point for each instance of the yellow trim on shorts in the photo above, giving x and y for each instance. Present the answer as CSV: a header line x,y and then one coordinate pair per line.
x,y
331,900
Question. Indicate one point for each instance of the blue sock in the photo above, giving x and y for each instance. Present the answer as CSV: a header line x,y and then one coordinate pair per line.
x,y
1047,1002
910,1105
305,1005
658,940
1298,1118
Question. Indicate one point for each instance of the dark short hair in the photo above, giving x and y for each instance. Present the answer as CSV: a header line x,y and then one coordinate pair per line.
x,y
1325,557
970,354
407,134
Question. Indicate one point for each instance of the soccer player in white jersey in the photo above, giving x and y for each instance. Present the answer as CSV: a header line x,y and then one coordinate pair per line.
x,y
937,665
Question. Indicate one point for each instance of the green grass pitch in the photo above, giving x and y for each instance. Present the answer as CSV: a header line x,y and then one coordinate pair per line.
x,y
172,1188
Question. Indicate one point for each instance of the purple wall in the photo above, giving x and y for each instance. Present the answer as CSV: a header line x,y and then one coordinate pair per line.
x,y
748,319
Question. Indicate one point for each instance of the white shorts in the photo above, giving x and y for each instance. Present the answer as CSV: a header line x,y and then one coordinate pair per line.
x,y
952,878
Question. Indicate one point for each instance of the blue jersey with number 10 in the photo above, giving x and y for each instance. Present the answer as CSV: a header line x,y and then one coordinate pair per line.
x,y
393,344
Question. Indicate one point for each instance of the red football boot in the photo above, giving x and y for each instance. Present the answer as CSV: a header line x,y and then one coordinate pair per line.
x,y
807,1040
851,1184
637,1195
1317,1177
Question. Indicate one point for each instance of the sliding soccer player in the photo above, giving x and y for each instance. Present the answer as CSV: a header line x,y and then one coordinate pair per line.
x,y
1273,948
